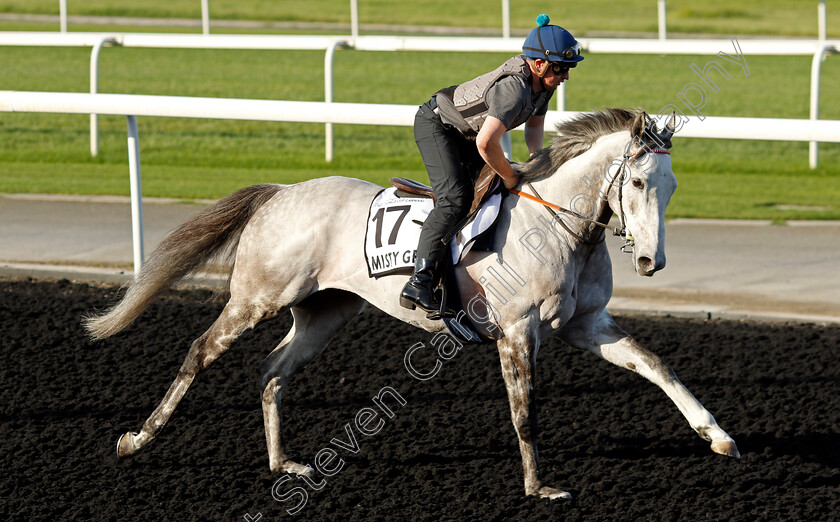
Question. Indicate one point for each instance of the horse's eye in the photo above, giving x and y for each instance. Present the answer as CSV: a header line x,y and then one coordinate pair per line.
x,y
638,183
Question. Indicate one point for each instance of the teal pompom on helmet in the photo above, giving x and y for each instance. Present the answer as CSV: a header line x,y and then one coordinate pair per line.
x,y
551,42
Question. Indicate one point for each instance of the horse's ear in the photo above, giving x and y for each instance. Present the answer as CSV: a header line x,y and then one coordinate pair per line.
x,y
668,131
671,125
637,128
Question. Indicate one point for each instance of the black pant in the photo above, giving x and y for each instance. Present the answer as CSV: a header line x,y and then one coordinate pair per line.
x,y
452,162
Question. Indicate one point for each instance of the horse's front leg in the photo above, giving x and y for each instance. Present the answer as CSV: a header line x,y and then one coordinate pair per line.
x,y
599,334
518,354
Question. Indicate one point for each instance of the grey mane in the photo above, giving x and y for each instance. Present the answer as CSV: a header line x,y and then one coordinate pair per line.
x,y
573,138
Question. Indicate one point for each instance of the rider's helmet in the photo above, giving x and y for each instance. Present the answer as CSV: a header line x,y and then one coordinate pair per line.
x,y
552,43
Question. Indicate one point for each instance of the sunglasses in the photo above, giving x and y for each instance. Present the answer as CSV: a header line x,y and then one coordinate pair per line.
x,y
558,68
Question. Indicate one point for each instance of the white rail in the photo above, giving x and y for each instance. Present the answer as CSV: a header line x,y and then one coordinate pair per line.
x,y
778,129
815,48
663,31
354,18
133,105
751,46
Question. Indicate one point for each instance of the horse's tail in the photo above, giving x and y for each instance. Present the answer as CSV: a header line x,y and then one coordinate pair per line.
x,y
211,233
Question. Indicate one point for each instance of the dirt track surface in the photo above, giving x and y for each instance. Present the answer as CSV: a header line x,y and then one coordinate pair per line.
x,y
609,437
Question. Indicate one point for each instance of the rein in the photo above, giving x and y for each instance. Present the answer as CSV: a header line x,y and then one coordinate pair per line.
x,y
551,207
620,231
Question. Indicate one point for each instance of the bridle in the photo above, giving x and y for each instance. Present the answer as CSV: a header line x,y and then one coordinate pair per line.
x,y
620,231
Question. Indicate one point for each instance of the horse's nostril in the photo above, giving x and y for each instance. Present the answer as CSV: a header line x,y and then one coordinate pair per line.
x,y
645,262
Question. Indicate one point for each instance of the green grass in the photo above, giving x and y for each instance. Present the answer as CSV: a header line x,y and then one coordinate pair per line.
x,y
777,17
198,158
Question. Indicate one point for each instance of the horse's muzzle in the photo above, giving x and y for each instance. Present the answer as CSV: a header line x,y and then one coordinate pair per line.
x,y
646,266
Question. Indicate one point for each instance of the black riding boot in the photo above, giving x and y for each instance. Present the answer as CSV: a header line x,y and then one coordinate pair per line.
x,y
418,291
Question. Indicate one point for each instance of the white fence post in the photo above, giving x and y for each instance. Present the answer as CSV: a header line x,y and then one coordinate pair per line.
x,y
136,192
663,30
328,93
816,65
505,18
205,17
821,20
354,19
507,145
62,15
560,94
94,87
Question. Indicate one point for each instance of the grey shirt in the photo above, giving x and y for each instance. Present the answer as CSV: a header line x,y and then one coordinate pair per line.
x,y
511,99
513,102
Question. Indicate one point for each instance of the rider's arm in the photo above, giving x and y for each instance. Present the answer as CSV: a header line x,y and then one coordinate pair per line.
x,y
490,148
534,132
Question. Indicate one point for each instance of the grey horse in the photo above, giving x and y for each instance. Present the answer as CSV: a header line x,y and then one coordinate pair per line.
x,y
299,248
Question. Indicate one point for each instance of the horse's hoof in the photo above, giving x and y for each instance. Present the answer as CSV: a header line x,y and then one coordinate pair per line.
x,y
552,493
125,445
726,447
295,468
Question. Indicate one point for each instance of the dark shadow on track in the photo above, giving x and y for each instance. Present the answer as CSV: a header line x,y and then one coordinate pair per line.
x,y
609,437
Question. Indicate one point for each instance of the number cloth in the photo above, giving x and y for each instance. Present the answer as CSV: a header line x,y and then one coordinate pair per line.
x,y
393,228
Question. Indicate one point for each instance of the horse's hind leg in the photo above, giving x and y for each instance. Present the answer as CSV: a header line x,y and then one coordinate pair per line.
x,y
599,334
316,320
233,320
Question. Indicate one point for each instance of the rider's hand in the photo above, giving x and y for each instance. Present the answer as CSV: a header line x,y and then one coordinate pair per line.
x,y
511,182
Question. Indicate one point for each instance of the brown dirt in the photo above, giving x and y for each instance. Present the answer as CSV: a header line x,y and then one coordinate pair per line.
x,y
609,437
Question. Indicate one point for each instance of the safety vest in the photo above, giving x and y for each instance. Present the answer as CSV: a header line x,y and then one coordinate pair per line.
x,y
468,98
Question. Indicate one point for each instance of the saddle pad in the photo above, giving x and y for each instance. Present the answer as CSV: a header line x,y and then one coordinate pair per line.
x,y
393,230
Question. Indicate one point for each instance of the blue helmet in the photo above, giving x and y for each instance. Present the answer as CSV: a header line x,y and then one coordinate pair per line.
x,y
552,43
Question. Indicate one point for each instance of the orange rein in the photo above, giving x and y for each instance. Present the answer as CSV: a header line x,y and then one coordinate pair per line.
x,y
538,200
558,207
551,207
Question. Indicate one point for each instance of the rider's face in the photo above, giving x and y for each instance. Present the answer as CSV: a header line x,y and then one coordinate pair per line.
x,y
551,80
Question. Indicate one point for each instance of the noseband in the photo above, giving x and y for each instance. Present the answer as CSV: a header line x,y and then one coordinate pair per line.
x,y
629,242
620,231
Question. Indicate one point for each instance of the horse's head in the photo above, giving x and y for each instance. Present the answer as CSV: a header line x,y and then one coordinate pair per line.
x,y
635,179
647,184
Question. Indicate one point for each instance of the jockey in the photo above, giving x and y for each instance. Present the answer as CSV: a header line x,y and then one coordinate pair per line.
x,y
459,130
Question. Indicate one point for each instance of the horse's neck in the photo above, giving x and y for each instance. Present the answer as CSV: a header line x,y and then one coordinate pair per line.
x,y
582,184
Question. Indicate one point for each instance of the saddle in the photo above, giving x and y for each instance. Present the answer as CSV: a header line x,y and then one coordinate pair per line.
x,y
485,184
